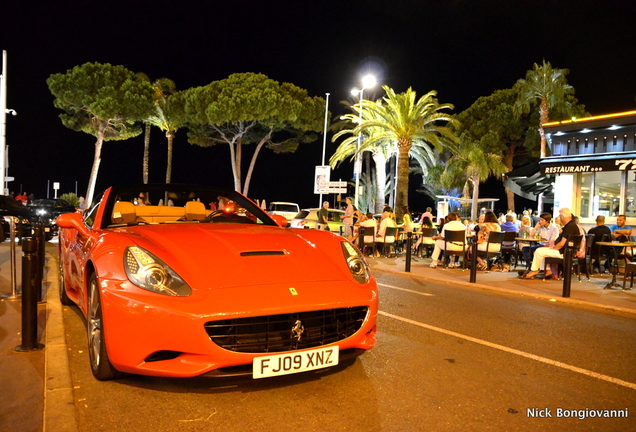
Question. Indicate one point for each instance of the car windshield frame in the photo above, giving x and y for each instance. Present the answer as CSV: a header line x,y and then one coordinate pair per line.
x,y
176,195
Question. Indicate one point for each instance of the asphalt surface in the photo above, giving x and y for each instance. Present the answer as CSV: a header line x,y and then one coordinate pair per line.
x,y
38,392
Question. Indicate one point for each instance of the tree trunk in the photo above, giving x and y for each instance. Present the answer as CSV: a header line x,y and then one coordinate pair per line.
x,y
146,162
380,180
507,160
543,118
475,209
170,136
96,160
259,146
402,187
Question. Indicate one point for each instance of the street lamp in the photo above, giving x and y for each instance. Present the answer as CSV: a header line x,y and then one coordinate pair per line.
x,y
368,81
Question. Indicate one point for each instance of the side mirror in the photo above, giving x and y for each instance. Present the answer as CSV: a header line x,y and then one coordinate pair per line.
x,y
72,220
280,220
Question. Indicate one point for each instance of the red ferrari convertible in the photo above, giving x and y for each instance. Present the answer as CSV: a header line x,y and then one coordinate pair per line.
x,y
181,280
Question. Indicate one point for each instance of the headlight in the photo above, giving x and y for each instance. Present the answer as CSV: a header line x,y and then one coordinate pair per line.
x,y
356,263
150,273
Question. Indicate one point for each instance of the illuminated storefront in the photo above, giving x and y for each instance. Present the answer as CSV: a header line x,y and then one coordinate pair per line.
x,y
593,161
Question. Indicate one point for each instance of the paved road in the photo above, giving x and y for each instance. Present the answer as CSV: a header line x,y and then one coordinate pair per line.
x,y
447,359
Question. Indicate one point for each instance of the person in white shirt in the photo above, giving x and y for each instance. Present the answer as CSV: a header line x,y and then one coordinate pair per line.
x,y
453,224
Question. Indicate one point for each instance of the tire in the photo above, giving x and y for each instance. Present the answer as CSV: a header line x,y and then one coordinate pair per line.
x,y
64,298
101,367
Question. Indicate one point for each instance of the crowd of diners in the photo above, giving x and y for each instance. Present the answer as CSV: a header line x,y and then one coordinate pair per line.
x,y
552,232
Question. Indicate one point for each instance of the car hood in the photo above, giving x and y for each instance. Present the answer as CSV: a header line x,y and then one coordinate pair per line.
x,y
215,256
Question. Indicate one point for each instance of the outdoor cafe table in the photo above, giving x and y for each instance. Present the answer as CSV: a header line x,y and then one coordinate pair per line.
x,y
527,239
616,246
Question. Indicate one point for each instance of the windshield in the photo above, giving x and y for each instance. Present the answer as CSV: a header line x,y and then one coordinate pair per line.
x,y
174,203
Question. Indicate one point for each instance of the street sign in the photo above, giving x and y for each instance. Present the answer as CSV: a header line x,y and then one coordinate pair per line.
x,y
338,184
336,190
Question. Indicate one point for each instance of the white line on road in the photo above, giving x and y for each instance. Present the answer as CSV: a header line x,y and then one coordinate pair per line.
x,y
514,351
407,290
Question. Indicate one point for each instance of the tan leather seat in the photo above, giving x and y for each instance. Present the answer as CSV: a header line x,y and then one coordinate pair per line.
x,y
195,211
124,212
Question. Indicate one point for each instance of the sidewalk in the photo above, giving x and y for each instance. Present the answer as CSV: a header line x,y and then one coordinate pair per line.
x,y
37,388
586,292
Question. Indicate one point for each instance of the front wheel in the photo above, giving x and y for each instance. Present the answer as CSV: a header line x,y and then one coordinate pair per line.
x,y
101,367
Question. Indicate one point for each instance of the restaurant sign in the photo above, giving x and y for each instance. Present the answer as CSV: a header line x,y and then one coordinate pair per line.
x,y
588,163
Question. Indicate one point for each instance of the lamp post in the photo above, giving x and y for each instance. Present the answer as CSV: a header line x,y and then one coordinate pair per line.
x,y
368,81
324,140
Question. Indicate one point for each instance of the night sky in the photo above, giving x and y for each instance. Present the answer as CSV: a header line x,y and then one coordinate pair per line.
x,y
462,49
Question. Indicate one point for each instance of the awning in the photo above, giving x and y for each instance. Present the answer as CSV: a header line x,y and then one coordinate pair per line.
x,y
528,181
588,163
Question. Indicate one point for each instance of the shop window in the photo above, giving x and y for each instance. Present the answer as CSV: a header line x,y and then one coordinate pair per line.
x,y
630,194
586,195
607,191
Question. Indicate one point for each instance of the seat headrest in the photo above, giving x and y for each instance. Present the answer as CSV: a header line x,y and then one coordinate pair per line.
x,y
195,211
124,212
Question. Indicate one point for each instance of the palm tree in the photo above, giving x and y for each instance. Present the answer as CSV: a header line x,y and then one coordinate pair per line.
x,y
474,164
546,85
162,118
401,121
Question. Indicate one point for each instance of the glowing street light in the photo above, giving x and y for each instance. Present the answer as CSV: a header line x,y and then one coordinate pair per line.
x,y
368,81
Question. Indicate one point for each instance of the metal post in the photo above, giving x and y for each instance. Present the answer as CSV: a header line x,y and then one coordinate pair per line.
x,y
29,299
37,267
407,266
567,269
473,259
361,231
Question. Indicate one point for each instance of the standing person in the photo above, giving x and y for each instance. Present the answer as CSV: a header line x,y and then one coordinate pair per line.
x,y
569,229
323,217
23,198
407,220
600,232
426,214
453,224
347,219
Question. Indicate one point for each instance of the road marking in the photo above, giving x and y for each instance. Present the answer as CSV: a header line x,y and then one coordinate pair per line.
x,y
407,290
516,352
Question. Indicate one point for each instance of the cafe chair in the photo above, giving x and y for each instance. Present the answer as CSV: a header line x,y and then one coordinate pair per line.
x,y
388,242
630,269
367,239
492,253
458,239
509,249
586,261
426,242
576,244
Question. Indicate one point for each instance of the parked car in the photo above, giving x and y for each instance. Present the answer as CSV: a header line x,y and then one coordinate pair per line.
x,y
10,207
183,290
308,218
289,210
48,210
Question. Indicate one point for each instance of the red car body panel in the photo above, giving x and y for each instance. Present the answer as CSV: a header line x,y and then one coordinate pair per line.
x,y
232,275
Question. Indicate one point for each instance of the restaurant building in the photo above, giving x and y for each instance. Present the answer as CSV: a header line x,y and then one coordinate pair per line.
x,y
592,166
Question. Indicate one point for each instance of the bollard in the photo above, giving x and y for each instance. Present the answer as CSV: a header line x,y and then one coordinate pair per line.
x,y
473,253
29,299
407,266
567,269
38,265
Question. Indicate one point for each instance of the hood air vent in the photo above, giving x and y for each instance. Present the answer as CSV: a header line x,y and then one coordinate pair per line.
x,y
262,253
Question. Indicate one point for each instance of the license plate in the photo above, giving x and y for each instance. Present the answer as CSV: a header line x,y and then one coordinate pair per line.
x,y
290,363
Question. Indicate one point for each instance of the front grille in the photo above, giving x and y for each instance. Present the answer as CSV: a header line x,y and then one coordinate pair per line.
x,y
275,333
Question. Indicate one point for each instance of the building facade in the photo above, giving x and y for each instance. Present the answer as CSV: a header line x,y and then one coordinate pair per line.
x,y
593,161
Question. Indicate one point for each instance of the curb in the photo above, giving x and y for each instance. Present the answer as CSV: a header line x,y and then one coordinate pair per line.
x,y
550,298
60,413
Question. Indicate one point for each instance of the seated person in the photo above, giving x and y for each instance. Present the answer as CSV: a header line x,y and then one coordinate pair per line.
x,y
569,229
544,229
453,224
